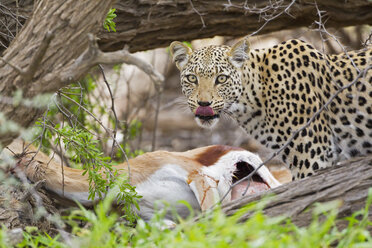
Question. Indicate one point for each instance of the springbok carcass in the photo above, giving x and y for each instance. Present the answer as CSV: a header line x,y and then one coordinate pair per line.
x,y
201,176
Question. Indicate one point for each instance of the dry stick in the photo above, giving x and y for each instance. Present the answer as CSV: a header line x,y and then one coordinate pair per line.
x,y
64,111
62,168
15,67
94,56
361,73
368,41
86,110
17,6
40,137
263,11
114,132
70,115
10,35
11,14
3,45
272,18
322,29
81,100
159,91
198,13
157,110
126,113
114,141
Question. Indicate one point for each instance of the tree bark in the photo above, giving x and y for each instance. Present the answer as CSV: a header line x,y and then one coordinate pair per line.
x,y
148,24
62,26
348,183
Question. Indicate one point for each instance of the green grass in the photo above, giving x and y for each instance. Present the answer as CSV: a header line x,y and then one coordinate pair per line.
x,y
212,230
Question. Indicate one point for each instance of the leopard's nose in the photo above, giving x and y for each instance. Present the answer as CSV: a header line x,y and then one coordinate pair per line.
x,y
204,104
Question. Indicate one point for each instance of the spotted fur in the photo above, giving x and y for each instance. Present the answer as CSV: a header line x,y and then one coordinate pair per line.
x,y
273,92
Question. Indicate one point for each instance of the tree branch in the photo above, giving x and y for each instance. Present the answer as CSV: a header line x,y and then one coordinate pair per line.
x,y
94,56
149,24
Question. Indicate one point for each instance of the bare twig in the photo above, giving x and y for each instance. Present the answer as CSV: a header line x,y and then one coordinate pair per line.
x,y
114,141
268,13
157,110
62,167
159,91
36,186
322,30
15,67
198,13
10,13
114,132
93,56
17,14
10,35
368,41
39,137
87,111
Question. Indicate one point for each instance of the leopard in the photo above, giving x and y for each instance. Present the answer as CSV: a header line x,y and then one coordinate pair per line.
x,y
313,109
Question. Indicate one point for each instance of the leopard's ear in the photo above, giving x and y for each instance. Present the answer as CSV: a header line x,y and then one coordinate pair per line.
x,y
180,53
239,53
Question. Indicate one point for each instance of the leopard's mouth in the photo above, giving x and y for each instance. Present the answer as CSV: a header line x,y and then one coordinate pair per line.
x,y
256,184
206,117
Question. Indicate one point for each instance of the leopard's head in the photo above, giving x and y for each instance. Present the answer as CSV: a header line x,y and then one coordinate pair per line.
x,y
211,78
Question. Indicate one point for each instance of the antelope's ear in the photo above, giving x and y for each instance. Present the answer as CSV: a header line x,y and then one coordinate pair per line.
x,y
180,53
239,53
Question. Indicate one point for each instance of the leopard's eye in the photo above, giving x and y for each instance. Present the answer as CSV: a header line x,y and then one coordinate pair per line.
x,y
221,79
192,79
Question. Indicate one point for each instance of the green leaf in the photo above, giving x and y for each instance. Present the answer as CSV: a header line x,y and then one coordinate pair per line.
x,y
109,24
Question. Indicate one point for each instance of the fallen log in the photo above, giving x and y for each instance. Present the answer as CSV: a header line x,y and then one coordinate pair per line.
x,y
348,182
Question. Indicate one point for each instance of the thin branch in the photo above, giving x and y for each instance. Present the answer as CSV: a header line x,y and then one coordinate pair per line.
x,y
62,166
114,132
87,111
198,13
93,56
36,186
368,41
11,14
10,35
114,141
322,29
268,13
15,67
157,110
